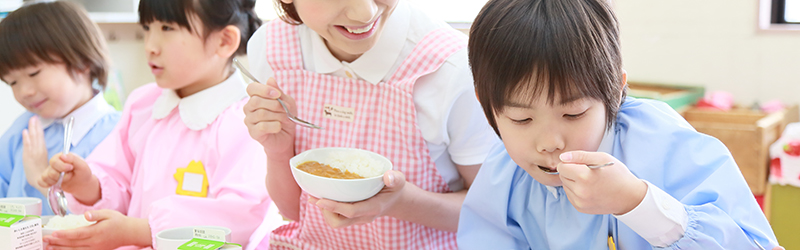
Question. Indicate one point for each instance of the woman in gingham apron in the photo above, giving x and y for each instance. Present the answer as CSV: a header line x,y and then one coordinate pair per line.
x,y
418,109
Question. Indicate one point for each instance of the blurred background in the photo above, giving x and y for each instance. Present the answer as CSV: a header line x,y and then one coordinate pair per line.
x,y
739,47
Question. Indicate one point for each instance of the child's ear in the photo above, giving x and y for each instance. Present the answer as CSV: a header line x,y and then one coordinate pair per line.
x,y
229,39
624,81
86,70
83,74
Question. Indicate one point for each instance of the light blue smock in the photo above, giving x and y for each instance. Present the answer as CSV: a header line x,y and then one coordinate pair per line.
x,y
507,209
12,173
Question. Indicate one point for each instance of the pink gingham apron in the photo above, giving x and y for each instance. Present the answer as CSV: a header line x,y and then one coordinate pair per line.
x,y
384,121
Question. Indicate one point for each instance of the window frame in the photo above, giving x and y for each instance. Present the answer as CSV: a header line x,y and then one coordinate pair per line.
x,y
770,18
778,14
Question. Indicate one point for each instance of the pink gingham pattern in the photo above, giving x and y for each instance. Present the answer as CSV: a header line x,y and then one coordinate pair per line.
x,y
384,122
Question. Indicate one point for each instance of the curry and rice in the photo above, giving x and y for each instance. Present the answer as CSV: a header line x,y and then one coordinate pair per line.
x,y
344,165
324,170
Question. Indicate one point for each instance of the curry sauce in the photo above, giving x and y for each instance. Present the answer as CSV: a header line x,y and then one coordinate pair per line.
x,y
325,170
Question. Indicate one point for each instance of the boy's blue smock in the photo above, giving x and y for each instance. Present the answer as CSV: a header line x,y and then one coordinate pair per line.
x,y
507,209
12,173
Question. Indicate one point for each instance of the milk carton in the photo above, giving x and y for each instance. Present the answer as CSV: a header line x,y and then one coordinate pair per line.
x,y
18,231
195,238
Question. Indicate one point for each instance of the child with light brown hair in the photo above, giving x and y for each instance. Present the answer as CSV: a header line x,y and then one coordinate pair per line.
x,y
51,55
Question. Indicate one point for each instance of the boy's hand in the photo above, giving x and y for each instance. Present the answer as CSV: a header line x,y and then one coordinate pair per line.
x,y
342,214
78,178
267,121
608,190
112,230
34,153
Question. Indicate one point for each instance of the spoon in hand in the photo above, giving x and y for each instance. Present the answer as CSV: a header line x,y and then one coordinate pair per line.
x,y
590,166
55,195
291,116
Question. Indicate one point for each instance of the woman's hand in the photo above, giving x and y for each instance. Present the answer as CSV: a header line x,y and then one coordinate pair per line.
x,y
268,124
112,230
34,153
341,214
267,121
608,190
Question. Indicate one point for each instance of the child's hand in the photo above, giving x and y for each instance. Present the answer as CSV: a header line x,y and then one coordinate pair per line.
x,y
608,190
342,214
112,230
266,120
78,178
34,153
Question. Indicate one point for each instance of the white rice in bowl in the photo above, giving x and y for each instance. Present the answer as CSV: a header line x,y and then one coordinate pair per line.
x,y
69,221
356,162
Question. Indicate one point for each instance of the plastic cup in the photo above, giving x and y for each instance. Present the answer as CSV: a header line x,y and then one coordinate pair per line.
x,y
33,206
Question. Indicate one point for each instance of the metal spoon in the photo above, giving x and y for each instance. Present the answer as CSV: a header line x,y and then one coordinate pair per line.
x,y
600,166
291,116
590,166
759,245
55,195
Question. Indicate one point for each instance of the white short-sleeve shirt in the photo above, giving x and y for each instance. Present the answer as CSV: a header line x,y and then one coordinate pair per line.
x,y
448,113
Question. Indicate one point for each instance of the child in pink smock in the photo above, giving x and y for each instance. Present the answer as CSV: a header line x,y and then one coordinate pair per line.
x,y
180,155
377,75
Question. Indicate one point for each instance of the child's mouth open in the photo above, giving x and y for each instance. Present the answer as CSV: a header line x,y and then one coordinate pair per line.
x,y
358,32
548,170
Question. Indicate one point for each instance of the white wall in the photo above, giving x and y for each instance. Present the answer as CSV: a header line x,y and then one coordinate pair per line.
x,y
453,11
128,58
109,5
711,43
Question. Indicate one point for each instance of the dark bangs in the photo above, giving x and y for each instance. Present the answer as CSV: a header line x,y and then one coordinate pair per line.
x,y
167,11
212,16
561,49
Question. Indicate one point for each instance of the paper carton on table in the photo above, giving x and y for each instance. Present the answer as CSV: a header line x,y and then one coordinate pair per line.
x,y
25,234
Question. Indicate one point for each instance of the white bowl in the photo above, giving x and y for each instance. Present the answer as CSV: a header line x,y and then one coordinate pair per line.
x,y
230,247
47,231
342,190
33,206
171,239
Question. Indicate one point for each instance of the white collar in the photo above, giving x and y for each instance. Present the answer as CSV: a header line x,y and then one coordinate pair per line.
x,y
375,64
85,117
200,109
606,146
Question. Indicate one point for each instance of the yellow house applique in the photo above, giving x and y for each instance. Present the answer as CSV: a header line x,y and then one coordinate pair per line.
x,y
611,245
192,180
